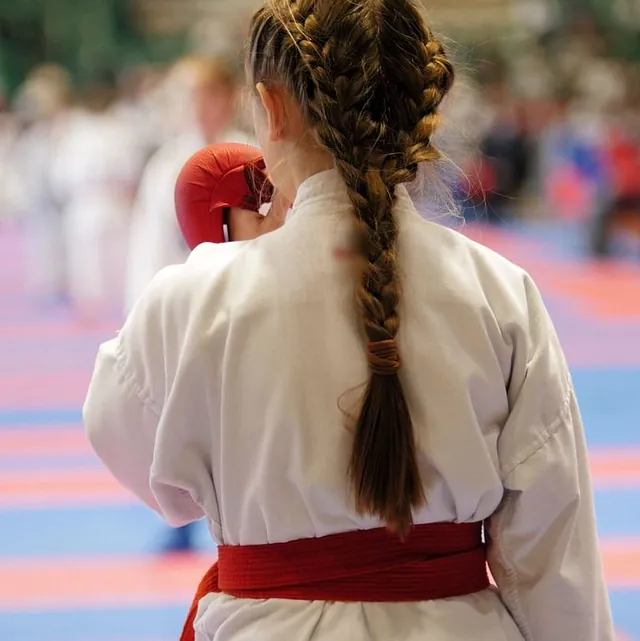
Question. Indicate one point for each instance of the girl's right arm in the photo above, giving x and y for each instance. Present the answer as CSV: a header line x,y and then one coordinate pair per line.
x,y
543,542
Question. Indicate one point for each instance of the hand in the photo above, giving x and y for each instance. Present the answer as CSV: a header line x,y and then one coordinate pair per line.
x,y
247,225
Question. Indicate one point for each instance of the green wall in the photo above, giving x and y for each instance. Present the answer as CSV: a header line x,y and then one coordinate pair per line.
x,y
89,37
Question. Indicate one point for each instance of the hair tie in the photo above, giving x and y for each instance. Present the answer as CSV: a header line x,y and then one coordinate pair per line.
x,y
383,357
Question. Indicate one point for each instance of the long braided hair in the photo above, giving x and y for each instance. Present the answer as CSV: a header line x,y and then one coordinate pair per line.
x,y
369,76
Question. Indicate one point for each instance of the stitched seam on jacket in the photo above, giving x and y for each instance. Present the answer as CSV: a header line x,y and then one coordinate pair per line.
x,y
510,590
545,435
126,371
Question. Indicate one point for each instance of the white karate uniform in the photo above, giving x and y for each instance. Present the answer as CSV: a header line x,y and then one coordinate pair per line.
x,y
97,166
222,398
36,204
11,196
155,240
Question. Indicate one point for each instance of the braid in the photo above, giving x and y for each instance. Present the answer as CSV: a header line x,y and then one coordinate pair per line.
x,y
370,78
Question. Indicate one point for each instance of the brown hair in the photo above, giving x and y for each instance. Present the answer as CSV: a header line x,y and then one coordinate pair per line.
x,y
370,77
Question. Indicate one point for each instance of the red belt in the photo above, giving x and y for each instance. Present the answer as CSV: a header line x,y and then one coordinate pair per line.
x,y
436,561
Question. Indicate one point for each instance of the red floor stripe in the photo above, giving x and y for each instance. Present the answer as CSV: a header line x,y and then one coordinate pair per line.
x,y
65,487
44,442
616,468
29,489
139,581
44,391
108,582
622,563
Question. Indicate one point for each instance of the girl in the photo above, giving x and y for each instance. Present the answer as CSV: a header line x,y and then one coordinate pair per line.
x,y
348,399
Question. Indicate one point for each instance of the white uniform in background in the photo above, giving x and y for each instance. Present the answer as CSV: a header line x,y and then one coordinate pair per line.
x,y
38,207
11,195
97,167
221,398
142,118
155,240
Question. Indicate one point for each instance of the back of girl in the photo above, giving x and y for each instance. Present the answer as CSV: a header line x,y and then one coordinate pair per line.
x,y
366,407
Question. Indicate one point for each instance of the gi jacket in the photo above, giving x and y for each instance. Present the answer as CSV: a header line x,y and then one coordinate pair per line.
x,y
227,395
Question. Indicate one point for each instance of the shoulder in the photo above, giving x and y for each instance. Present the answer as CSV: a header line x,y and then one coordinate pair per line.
x,y
171,317
479,280
509,294
156,311
177,287
175,296
447,254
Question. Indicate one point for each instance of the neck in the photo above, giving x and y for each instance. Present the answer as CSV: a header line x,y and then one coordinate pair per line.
x,y
302,163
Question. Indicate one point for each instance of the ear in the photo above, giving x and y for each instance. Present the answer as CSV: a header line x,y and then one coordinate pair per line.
x,y
273,101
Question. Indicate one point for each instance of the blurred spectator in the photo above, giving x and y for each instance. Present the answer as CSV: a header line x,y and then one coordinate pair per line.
x,y
503,166
620,210
95,170
42,107
140,107
201,103
571,163
10,196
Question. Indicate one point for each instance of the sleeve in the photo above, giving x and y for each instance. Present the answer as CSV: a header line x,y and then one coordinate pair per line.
x,y
120,424
125,404
543,543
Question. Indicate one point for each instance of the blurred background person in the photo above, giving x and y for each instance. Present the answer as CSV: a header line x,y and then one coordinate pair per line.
x,y
43,109
141,106
570,162
95,170
201,108
9,176
619,208
502,163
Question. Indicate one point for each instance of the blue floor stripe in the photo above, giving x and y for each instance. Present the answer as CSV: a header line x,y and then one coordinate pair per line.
x,y
53,416
166,622
625,611
134,529
615,519
94,625
610,406
95,531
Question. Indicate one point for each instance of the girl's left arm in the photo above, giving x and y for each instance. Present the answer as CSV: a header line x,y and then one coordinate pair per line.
x,y
124,405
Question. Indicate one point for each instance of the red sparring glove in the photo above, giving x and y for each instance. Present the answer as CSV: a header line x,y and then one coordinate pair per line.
x,y
213,181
